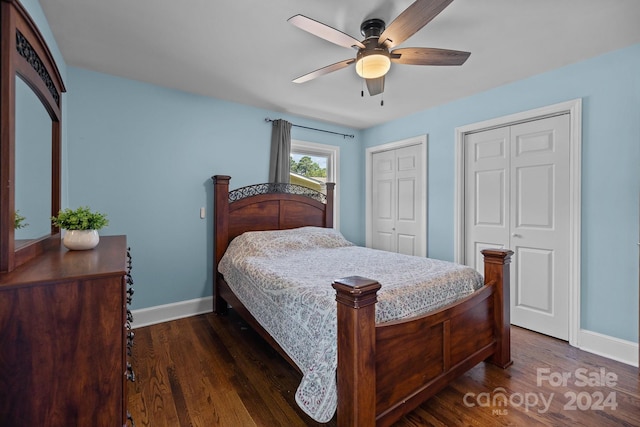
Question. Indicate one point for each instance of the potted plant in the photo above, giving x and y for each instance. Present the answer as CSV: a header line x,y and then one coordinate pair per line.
x,y
82,227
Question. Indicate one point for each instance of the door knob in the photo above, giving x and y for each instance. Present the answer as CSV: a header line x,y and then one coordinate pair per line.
x,y
516,235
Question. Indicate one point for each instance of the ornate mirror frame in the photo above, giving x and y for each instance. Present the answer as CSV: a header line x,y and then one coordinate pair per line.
x,y
24,53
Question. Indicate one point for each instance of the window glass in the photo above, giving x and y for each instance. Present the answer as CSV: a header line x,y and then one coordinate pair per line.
x,y
309,170
313,165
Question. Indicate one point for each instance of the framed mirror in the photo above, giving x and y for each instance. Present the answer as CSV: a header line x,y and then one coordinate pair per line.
x,y
32,199
30,142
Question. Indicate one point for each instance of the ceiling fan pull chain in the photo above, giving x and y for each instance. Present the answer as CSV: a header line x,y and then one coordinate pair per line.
x,y
382,100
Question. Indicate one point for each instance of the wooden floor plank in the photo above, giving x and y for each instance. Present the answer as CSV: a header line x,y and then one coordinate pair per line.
x,y
212,370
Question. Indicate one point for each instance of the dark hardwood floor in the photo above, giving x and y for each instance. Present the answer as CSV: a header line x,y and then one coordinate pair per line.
x,y
212,370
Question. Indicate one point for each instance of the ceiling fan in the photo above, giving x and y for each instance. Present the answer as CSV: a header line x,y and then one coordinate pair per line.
x,y
374,56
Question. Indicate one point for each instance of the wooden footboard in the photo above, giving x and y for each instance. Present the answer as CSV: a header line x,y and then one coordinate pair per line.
x,y
386,371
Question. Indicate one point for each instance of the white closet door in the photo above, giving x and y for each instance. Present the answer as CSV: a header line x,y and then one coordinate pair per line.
x,y
397,203
540,225
517,196
487,188
384,201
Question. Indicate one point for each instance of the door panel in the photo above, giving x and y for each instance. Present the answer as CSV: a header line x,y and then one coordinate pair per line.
x,y
406,199
487,187
383,241
407,244
490,200
534,279
397,203
535,202
409,210
540,229
383,203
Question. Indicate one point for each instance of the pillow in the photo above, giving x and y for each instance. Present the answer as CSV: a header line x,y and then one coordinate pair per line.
x,y
273,243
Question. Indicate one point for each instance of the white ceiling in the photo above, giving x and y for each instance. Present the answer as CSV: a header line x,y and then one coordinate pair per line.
x,y
245,50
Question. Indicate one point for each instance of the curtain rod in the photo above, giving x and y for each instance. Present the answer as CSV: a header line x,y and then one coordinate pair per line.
x,y
344,135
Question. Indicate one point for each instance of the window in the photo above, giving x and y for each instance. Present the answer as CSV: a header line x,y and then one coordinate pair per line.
x,y
313,165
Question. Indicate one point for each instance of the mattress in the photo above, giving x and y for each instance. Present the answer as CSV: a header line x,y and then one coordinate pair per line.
x,y
284,278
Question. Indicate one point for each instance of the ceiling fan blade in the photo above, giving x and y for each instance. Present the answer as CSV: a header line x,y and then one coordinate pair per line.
x,y
324,31
416,16
428,56
324,70
375,86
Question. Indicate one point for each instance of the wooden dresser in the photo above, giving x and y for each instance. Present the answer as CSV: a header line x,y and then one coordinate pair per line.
x,y
65,338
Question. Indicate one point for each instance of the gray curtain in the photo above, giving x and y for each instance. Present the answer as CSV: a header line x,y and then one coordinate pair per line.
x,y
280,151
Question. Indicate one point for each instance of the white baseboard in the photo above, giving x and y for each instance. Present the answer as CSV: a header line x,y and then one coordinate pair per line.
x,y
173,311
609,347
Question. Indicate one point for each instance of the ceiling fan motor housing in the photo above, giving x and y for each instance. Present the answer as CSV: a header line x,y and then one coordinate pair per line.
x,y
372,28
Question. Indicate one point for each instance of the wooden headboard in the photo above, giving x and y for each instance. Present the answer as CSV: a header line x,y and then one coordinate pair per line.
x,y
272,206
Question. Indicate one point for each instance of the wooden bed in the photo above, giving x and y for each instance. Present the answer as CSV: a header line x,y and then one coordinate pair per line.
x,y
377,383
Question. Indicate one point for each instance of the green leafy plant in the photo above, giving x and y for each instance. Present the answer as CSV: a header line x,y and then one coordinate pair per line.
x,y
80,219
18,221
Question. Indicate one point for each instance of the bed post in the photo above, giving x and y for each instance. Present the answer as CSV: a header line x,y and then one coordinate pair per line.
x,y
356,297
328,211
496,269
220,233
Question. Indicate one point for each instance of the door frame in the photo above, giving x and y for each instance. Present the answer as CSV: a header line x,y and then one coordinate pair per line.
x,y
574,109
416,140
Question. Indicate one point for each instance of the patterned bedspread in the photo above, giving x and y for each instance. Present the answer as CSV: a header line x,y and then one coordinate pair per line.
x,y
284,279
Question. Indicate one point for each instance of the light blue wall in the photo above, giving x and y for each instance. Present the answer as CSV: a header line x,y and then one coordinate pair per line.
x,y
609,86
145,155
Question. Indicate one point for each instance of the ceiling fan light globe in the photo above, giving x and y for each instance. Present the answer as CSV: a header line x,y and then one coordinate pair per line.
x,y
373,66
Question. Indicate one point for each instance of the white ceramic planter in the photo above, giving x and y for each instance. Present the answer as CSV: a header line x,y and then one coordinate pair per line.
x,y
79,240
